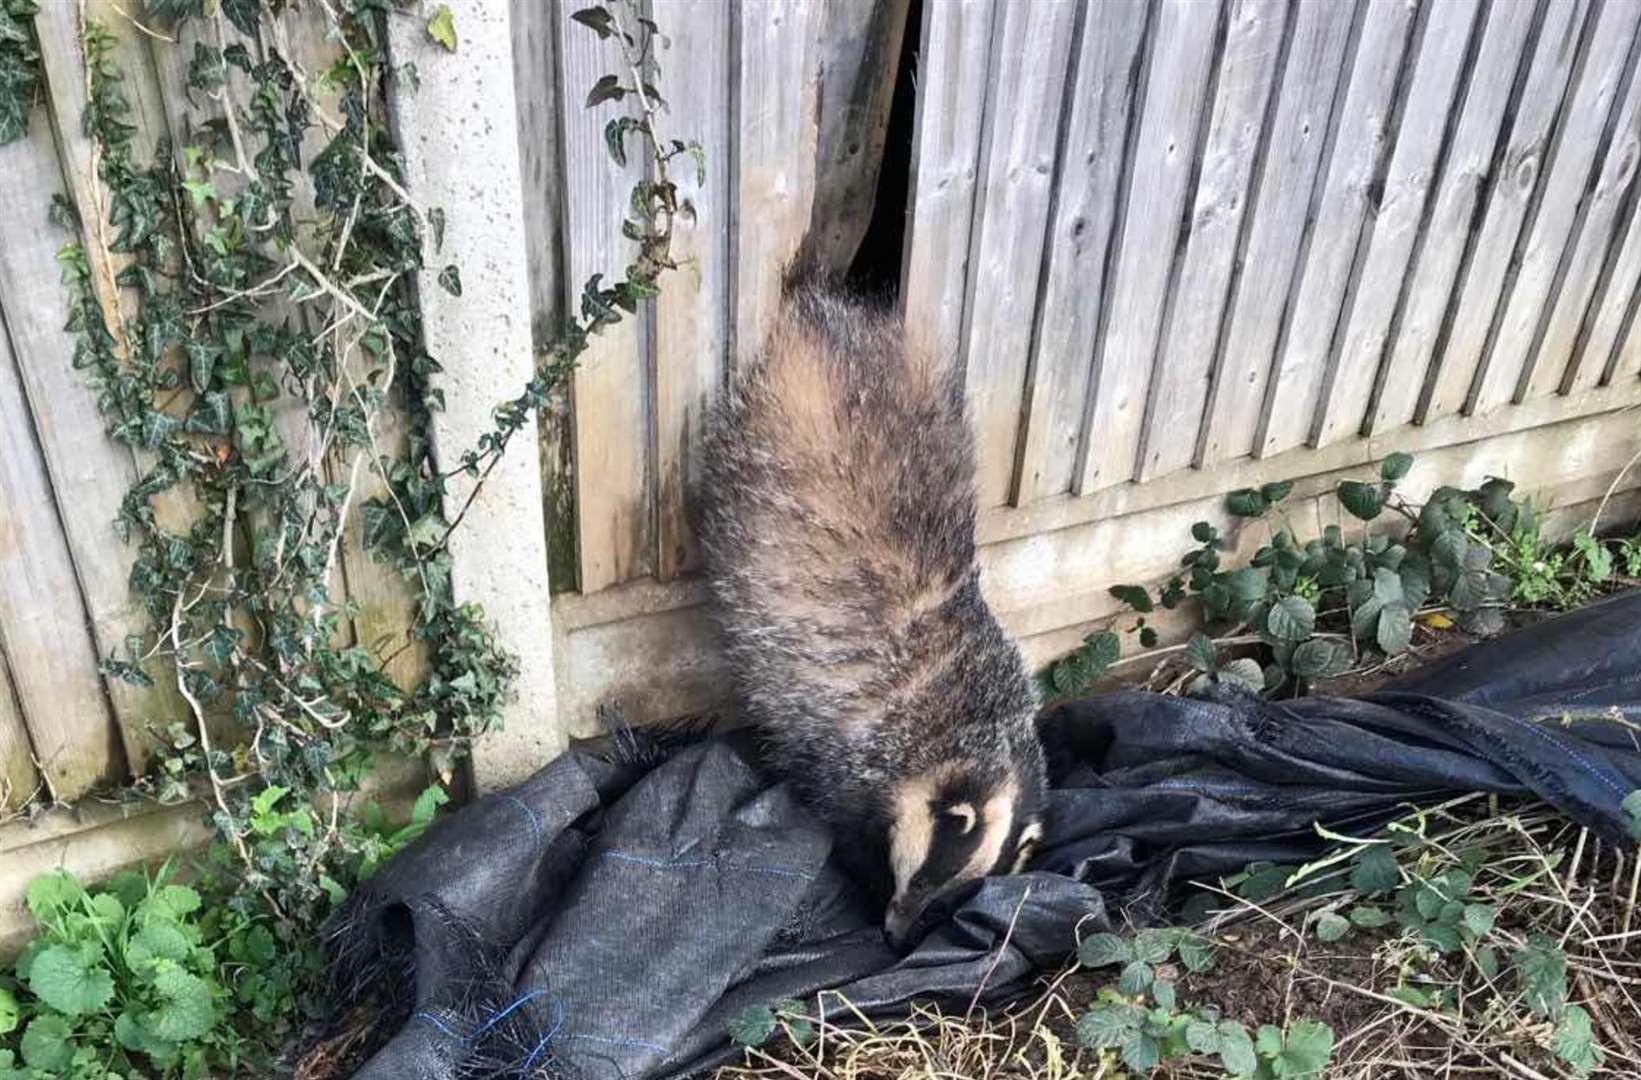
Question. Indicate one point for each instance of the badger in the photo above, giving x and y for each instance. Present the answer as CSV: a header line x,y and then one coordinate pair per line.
x,y
836,517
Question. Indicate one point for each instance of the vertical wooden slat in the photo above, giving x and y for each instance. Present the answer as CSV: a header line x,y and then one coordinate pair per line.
x,y
19,780
953,57
1513,190
1573,168
1596,348
1032,45
499,556
692,312
611,394
1428,119
1342,224
1185,363
1177,85
774,90
44,627
1087,199
90,473
1439,246
1588,269
1305,98
1625,364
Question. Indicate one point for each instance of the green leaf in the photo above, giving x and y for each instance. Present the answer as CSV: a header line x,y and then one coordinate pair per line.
x,y
1101,651
615,141
1478,918
442,27
752,1026
1395,631
1196,951
52,894
1331,926
1395,466
1364,501
1542,971
1236,1049
450,279
1387,586
1199,652
1410,995
608,88
1106,1025
427,804
1631,806
1244,671
1104,950
1275,491
155,941
175,902
1369,917
1291,618
1141,1052
186,1011
1202,1036
1154,946
597,19
1375,871
1135,596
1320,657
1487,961
1306,1048
435,218
72,980
1136,978
1574,1042
1162,992
1148,638
10,1014
46,1045
1246,503
1204,533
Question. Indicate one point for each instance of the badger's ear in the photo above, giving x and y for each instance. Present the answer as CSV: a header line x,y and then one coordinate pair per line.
x,y
962,814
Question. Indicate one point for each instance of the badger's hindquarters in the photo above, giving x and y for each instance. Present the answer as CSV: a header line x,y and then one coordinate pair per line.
x,y
838,525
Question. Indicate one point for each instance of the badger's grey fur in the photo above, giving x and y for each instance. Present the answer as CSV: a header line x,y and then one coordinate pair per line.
x,y
837,519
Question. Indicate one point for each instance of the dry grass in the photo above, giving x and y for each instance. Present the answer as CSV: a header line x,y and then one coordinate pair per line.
x,y
1543,876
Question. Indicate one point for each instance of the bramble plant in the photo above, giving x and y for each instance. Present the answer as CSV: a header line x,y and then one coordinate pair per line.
x,y
1317,608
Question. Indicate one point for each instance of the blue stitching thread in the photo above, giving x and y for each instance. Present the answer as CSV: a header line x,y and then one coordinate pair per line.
x,y
666,864
499,1017
558,1007
436,1022
535,822
619,1042
1565,749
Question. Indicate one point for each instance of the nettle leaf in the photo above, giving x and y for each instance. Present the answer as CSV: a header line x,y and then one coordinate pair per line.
x,y
1375,871
1107,1025
1395,467
1104,950
752,1026
1135,596
1246,503
1291,618
1364,501
71,980
442,27
1574,1042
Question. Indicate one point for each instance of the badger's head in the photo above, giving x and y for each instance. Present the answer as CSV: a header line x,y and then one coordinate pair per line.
x,y
959,822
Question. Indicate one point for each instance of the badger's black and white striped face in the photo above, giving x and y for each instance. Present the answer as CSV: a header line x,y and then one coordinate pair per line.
x,y
951,828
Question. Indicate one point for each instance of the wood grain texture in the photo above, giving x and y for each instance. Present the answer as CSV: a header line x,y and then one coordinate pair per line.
x,y
1592,270
1573,171
1031,51
1176,93
775,84
1087,199
1342,224
1439,248
45,631
1515,183
499,556
19,779
692,312
611,392
1276,228
858,58
1185,363
1427,121
954,55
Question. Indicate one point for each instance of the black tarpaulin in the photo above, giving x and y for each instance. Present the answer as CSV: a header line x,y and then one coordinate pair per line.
x,y
607,919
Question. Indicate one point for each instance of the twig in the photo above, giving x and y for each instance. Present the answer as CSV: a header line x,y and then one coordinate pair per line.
x,y
1595,521
1008,935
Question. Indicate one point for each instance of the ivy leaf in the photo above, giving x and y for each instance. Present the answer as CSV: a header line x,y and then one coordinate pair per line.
x,y
435,217
1199,652
1236,1049
442,27
46,1045
1107,1025
1291,618
450,279
1574,1042
1104,950
1246,503
607,88
220,645
1135,596
1275,491
1331,926
1364,501
1375,871
596,19
752,1026
71,980
1395,466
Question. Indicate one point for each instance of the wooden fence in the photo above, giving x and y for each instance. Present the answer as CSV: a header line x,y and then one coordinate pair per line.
x,y
1180,246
